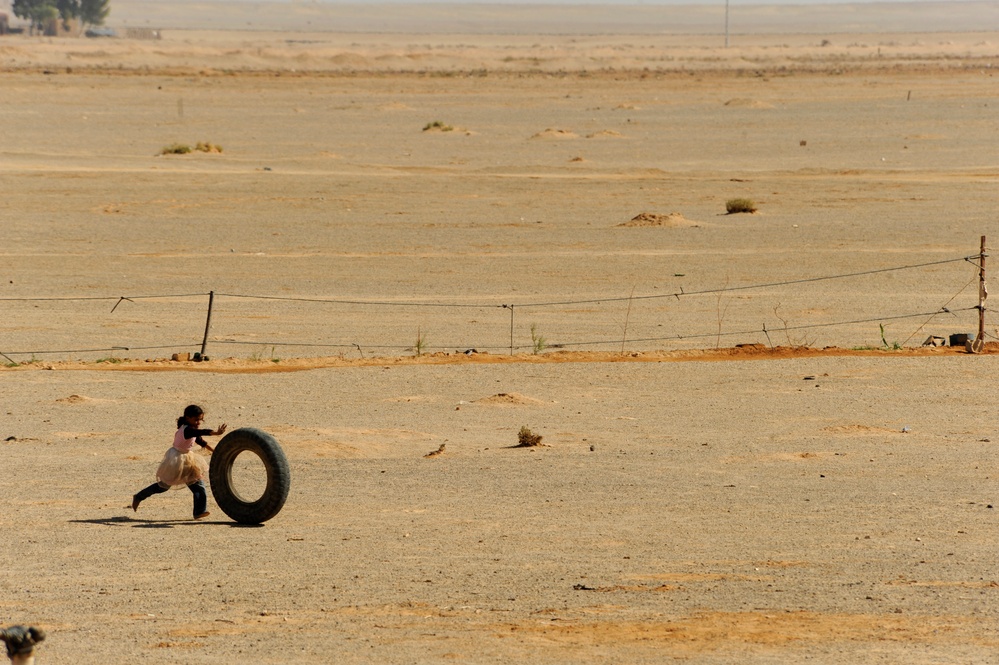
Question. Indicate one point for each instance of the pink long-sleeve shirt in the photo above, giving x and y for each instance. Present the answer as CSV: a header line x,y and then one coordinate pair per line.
x,y
186,437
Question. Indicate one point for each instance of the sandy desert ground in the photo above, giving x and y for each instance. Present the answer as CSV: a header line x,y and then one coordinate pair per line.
x,y
814,494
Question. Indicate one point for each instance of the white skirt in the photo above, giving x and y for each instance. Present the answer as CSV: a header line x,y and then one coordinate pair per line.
x,y
181,469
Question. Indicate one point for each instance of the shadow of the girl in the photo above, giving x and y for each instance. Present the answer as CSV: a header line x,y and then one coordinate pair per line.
x,y
137,523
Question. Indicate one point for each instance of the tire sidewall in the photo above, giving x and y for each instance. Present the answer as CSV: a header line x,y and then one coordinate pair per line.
x,y
266,447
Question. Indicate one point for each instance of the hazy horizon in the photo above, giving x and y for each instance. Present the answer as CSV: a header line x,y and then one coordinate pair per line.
x,y
528,3
560,16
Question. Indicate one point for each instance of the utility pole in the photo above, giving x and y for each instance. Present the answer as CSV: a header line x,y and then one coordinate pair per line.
x,y
726,23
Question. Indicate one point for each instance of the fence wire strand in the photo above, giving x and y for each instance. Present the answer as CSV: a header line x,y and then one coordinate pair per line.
x,y
397,303
118,298
944,309
767,285
380,303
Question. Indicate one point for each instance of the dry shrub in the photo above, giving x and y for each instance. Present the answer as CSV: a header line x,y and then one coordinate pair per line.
x,y
439,126
176,149
527,439
733,206
204,146
183,148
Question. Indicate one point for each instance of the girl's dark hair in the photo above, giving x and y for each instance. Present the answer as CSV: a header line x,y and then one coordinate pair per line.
x,y
190,411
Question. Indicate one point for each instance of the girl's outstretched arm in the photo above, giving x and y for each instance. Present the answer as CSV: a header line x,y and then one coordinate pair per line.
x,y
219,432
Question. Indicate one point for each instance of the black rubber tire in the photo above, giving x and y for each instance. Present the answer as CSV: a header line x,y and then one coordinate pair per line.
x,y
278,475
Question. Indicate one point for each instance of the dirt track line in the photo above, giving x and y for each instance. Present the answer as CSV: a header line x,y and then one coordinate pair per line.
x,y
740,353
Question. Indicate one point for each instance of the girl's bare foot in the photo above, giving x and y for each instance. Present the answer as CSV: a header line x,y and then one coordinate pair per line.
x,y
202,515
135,504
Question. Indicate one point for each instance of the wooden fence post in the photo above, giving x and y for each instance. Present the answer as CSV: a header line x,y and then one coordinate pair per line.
x,y
208,323
979,344
511,328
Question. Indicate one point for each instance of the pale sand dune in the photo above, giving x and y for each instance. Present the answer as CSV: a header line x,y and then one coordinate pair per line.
x,y
655,219
695,500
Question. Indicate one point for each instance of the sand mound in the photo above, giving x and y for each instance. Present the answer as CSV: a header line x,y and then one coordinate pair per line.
x,y
673,219
556,134
742,102
441,128
74,399
858,429
605,133
515,399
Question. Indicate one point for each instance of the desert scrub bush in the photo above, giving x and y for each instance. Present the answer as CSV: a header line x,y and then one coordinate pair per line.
x,y
527,439
183,148
733,206
176,149
438,125
538,342
884,342
204,146
13,363
420,345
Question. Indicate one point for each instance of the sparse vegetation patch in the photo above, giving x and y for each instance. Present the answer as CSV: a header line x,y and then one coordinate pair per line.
x,y
204,146
439,126
527,439
733,206
183,148
538,342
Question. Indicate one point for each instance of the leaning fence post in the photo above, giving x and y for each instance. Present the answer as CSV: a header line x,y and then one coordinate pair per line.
x,y
979,344
208,323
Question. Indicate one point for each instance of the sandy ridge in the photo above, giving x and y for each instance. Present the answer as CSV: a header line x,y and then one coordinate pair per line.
x,y
251,366
248,53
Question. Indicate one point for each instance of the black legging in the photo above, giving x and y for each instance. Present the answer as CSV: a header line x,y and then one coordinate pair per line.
x,y
197,488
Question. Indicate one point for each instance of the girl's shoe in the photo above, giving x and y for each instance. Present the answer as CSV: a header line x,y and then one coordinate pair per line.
x,y
202,516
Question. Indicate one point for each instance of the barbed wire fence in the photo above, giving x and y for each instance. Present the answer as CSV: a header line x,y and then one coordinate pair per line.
x,y
289,323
